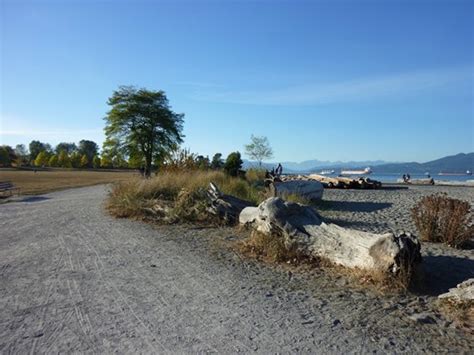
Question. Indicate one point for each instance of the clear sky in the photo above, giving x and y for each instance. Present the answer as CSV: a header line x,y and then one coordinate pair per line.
x,y
328,80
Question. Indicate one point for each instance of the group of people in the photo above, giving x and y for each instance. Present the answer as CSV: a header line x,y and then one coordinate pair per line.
x,y
406,177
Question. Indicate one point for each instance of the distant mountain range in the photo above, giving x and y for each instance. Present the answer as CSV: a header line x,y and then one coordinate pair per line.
x,y
458,163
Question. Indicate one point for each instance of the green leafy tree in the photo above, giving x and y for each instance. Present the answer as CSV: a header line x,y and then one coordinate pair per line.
x,y
64,161
53,160
21,153
203,162
89,149
105,162
233,164
96,162
75,160
259,149
5,159
36,147
42,159
84,161
142,121
69,148
217,162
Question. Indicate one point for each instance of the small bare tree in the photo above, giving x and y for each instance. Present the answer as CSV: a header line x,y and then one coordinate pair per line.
x,y
259,149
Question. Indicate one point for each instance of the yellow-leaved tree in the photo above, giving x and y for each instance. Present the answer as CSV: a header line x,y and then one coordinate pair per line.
x,y
63,160
41,159
84,161
53,161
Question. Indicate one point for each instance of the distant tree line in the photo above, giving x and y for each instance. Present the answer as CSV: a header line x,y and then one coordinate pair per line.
x,y
64,155
85,155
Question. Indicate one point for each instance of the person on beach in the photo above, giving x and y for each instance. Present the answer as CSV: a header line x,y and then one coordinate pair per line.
x,y
279,170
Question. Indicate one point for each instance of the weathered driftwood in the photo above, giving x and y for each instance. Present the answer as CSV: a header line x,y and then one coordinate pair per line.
x,y
303,230
226,207
308,189
463,293
345,182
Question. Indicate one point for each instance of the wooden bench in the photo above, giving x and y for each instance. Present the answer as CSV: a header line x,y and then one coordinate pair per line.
x,y
8,187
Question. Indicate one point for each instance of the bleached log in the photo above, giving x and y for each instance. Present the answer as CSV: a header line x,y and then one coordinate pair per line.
x,y
309,189
304,230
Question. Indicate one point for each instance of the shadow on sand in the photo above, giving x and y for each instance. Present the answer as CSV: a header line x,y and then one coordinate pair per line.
x,y
393,188
355,206
32,199
443,272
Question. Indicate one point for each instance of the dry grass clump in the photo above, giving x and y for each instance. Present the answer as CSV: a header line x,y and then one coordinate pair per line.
x,y
272,249
439,218
175,195
461,313
254,175
386,282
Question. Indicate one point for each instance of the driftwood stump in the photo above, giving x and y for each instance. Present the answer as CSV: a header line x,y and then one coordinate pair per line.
x,y
225,207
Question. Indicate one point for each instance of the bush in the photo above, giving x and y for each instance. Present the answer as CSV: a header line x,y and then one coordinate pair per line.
x,y
439,218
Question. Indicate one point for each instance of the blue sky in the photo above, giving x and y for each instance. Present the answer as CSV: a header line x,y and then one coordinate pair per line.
x,y
332,80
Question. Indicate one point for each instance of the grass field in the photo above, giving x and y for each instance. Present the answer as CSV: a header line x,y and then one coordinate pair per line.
x,y
32,183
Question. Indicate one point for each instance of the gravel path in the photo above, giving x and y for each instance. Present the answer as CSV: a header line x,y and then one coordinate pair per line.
x,y
73,279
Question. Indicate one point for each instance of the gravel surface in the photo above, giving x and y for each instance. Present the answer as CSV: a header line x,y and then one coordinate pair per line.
x,y
73,279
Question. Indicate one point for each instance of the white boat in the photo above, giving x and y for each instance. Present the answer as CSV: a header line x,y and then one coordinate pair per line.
x,y
327,172
366,171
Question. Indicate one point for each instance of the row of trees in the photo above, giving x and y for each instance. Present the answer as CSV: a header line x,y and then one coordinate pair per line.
x,y
141,131
67,155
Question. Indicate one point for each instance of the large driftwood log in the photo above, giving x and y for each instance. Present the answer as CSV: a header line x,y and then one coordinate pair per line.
x,y
345,182
226,207
309,189
304,231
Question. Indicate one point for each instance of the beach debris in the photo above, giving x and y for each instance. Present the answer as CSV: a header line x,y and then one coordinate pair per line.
x,y
331,181
464,292
427,181
226,207
304,231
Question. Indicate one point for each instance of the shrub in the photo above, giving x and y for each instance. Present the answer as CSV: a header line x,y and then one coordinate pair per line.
x,y
439,218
